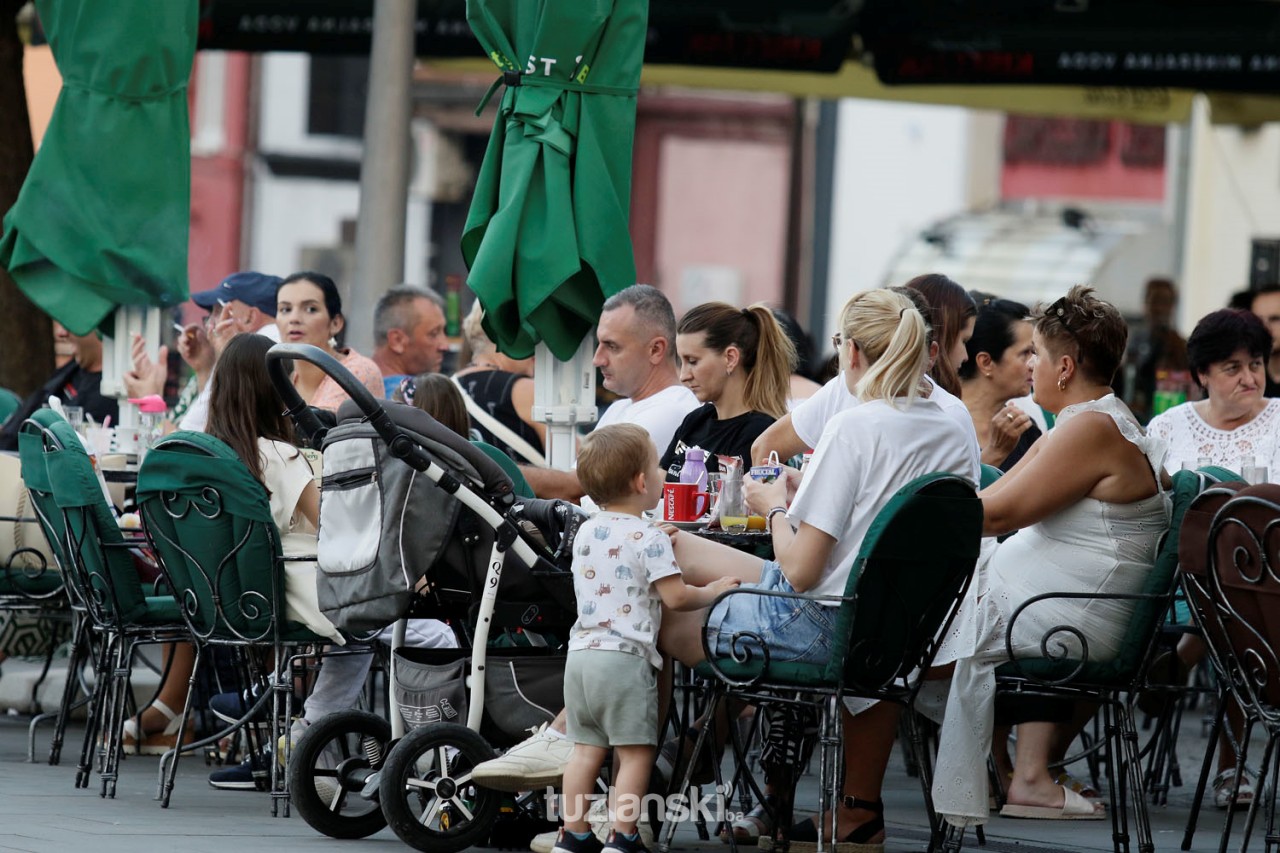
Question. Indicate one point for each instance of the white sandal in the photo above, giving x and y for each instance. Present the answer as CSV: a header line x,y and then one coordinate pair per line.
x,y
155,743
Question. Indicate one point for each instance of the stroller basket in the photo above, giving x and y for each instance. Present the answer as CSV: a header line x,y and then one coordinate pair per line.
x,y
524,688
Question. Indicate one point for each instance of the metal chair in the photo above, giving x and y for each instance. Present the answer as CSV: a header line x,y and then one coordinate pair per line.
x,y
1113,683
105,579
209,522
910,574
1234,593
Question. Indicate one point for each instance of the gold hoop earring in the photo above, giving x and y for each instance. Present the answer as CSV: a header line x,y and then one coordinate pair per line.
x,y
1062,383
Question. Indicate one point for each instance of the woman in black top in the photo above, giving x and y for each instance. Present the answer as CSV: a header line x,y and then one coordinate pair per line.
x,y
998,371
502,387
738,363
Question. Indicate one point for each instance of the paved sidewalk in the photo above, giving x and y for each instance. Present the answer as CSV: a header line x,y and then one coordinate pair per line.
x,y
40,810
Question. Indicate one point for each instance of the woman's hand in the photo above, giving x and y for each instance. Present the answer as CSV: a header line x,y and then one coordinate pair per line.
x,y
1007,427
761,497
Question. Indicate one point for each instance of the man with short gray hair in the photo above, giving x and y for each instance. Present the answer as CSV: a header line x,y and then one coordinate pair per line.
x,y
408,334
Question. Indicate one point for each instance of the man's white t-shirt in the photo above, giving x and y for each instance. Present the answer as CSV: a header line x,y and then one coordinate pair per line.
x,y
659,413
197,416
866,453
811,417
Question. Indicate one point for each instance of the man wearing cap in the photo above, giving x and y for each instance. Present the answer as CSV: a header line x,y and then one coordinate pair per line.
x,y
242,302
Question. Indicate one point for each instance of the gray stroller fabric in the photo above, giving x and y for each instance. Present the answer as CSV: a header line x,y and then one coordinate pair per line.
x,y
524,688
383,525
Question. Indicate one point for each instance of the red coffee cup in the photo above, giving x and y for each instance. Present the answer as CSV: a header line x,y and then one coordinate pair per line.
x,y
683,502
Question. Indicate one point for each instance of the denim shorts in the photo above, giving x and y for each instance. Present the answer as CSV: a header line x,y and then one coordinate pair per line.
x,y
795,631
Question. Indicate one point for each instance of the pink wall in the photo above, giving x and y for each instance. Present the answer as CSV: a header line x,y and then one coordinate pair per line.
x,y
1066,158
722,203
217,187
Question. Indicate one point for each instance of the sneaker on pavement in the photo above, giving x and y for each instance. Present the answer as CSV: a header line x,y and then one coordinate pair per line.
x,y
231,707
543,842
237,778
619,843
535,762
567,842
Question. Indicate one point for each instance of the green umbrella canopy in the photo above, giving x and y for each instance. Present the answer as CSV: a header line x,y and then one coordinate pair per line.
x,y
103,217
546,238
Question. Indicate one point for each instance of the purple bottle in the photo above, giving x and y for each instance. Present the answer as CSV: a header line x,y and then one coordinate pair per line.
x,y
694,469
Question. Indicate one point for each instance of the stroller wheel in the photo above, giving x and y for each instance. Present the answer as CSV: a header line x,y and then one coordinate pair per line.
x,y
427,794
328,768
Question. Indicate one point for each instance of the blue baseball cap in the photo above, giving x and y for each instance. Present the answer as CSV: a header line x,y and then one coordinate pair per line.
x,y
251,288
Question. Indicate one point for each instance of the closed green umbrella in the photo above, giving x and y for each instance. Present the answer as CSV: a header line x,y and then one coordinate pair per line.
x,y
546,238
103,217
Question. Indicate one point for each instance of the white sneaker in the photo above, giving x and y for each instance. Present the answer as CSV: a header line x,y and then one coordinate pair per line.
x,y
536,762
544,841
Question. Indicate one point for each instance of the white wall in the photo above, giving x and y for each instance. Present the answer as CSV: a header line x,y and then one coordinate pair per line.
x,y
898,168
1234,196
289,214
282,119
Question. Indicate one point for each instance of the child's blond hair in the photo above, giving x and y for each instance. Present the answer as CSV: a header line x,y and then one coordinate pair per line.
x,y
609,459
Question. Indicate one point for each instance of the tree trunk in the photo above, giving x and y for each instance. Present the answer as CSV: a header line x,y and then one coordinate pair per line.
x,y
26,340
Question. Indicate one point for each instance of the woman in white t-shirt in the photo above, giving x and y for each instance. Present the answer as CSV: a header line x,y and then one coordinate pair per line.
x,y
950,313
866,453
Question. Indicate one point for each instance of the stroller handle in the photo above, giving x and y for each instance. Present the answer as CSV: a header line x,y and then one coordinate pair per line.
x,y
399,445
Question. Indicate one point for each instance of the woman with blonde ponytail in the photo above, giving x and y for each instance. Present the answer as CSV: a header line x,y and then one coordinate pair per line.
x,y
737,362
865,455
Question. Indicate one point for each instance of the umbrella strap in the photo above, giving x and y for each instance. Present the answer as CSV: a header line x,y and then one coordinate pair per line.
x,y
515,78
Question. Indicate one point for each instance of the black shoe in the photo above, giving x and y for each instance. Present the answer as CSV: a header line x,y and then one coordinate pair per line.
x,y
622,844
238,778
567,842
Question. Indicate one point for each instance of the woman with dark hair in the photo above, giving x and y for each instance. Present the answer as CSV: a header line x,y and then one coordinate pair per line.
x,y
954,314
309,311
737,362
245,413
997,372
438,396
1235,424
803,385
950,327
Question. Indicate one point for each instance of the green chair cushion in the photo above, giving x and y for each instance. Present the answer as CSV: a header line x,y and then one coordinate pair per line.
x,y
799,674
160,610
13,581
519,485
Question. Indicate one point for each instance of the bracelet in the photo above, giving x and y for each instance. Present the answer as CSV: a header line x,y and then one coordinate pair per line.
x,y
768,518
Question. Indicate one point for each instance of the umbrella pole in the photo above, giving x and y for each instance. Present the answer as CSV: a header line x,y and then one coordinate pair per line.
x,y
564,396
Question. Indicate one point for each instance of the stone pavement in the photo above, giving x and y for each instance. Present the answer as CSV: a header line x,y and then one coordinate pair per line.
x,y
40,810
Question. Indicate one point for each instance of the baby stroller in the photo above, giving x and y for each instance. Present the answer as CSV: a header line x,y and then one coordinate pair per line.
x,y
415,520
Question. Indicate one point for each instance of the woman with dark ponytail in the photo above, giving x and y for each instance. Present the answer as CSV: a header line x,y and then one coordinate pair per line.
x,y
738,363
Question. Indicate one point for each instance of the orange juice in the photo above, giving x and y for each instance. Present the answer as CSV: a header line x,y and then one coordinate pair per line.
x,y
733,522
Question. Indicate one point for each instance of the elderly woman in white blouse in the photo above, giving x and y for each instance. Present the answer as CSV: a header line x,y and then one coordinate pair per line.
x,y
1235,426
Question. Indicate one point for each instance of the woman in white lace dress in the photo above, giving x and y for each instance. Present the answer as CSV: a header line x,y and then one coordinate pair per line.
x,y
1089,508
1234,427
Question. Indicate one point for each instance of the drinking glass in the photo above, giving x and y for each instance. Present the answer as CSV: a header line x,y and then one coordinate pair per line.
x,y
733,506
75,417
1251,472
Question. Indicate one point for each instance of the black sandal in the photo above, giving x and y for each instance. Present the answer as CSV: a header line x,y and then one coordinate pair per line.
x,y
803,836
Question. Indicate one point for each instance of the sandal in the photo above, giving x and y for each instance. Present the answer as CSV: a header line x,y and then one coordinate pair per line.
x,y
1080,786
153,743
1074,807
804,835
1223,784
757,823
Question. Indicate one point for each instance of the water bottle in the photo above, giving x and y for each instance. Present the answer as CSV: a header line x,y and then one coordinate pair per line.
x,y
694,469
